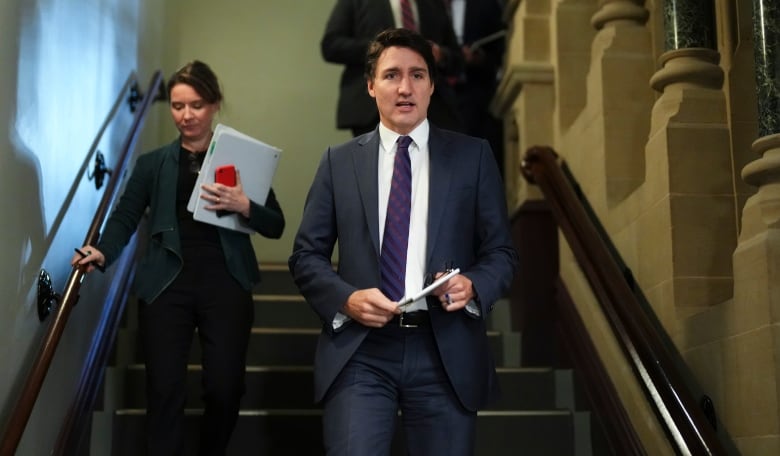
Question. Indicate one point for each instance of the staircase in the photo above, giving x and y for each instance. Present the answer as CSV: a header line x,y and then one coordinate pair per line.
x,y
536,415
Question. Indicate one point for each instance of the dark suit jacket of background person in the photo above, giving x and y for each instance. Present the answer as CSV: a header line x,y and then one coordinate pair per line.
x,y
482,18
477,85
351,27
153,184
467,224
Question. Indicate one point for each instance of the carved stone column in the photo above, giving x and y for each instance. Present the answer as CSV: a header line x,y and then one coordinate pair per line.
x,y
757,257
690,178
764,173
766,35
617,83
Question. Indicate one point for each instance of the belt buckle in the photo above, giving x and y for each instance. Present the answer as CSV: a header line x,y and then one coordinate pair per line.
x,y
404,325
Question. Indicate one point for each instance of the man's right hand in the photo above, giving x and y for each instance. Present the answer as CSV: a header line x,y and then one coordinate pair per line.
x,y
370,308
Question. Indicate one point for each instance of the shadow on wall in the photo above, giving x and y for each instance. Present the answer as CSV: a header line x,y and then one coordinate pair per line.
x,y
23,231
60,86
23,243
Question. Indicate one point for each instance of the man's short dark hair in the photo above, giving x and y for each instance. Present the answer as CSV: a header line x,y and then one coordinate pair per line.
x,y
399,37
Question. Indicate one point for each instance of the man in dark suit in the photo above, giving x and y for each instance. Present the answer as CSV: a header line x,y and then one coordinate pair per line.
x,y
354,23
475,20
430,359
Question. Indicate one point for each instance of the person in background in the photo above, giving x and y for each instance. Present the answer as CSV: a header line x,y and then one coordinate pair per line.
x,y
193,275
395,233
474,21
354,23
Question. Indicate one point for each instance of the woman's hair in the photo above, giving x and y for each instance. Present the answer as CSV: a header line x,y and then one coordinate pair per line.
x,y
199,76
399,37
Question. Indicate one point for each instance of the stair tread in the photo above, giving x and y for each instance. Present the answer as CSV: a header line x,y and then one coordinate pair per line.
x,y
274,386
318,411
302,434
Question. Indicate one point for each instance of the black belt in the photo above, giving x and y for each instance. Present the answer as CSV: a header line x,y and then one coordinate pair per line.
x,y
414,319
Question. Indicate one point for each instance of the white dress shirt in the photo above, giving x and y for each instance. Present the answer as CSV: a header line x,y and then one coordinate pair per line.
x,y
458,17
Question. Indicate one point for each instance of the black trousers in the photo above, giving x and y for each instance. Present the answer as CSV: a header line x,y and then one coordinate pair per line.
x,y
204,297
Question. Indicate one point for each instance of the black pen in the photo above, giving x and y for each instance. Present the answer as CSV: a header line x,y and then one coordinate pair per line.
x,y
84,255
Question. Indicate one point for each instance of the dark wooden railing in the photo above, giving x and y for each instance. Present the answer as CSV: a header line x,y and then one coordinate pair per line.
x,y
37,374
689,431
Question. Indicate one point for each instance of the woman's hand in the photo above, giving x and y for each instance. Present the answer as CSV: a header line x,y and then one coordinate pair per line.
x,y
92,258
226,198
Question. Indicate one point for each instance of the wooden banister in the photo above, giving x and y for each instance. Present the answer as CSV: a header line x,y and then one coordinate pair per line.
x,y
688,430
37,374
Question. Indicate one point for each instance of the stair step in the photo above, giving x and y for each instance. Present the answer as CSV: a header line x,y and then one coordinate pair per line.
x,y
292,311
284,311
283,387
267,347
276,280
294,432
278,387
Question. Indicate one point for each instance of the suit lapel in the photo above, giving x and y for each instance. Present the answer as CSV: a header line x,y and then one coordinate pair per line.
x,y
365,156
439,186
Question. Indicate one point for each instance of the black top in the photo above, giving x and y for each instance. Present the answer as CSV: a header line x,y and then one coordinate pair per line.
x,y
198,239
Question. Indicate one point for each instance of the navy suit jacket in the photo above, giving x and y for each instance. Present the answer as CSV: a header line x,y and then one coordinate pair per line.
x,y
351,27
467,224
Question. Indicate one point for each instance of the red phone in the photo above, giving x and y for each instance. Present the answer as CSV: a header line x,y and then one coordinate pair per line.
x,y
225,175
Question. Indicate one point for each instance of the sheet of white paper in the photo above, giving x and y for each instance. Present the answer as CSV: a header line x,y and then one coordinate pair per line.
x,y
427,290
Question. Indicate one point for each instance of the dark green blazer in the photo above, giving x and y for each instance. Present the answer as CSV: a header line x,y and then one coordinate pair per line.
x,y
152,187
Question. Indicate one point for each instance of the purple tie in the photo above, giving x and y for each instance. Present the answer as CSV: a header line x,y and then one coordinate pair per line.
x,y
396,238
